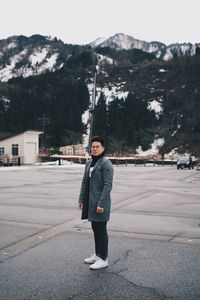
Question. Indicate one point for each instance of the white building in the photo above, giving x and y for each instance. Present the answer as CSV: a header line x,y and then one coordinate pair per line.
x,y
24,146
72,150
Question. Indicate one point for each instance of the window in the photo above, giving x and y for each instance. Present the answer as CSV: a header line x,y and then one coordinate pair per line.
x,y
1,151
15,148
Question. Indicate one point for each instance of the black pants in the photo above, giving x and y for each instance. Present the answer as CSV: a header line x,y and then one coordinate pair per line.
x,y
100,238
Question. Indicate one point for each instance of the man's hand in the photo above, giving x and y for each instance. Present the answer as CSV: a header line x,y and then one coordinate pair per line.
x,y
99,210
80,205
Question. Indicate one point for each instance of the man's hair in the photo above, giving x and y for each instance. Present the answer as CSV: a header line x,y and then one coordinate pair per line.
x,y
97,139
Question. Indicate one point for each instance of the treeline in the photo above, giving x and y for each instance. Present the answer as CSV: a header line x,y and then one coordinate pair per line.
x,y
51,102
124,124
131,56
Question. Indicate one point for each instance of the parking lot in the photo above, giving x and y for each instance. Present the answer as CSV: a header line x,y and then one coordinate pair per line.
x,y
154,235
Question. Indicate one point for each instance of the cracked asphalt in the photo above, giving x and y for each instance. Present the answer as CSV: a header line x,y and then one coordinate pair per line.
x,y
154,235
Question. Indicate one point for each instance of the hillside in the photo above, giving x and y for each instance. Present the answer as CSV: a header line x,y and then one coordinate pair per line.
x,y
141,97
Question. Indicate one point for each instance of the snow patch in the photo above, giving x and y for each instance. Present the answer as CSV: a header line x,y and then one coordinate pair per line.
x,y
113,92
8,72
110,94
162,71
38,56
173,133
103,58
98,41
40,62
65,164
155,146
5,99
168,55
6,102
173,154
11,46
156,106
47,65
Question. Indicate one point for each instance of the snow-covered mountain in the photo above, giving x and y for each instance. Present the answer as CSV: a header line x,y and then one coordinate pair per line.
x,y
23,56
147,99
121,41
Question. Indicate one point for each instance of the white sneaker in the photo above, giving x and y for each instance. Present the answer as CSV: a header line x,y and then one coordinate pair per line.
x,y
99,264
92,259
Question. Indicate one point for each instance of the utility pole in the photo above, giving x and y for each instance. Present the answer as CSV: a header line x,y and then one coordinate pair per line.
x,y
91,112
44,121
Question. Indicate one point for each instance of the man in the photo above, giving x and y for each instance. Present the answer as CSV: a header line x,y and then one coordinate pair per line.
x,y
95,201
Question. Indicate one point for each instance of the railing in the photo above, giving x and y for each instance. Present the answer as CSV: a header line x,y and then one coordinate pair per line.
x,y
143,162
6,161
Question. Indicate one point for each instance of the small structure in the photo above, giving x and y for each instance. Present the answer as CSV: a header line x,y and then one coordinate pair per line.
x,y
72,150
21,148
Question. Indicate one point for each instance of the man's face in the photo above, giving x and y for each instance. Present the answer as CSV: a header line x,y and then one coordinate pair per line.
x,y
97,148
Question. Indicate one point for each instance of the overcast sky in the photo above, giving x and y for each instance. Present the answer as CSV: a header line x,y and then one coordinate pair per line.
x,y
82,21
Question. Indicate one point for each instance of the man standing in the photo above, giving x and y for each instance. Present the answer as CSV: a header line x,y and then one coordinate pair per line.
x,y
95,201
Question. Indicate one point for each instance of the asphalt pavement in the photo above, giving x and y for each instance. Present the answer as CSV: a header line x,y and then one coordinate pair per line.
x,y
154,235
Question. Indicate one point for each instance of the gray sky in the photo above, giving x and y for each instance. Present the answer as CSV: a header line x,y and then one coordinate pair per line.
x,y
82,21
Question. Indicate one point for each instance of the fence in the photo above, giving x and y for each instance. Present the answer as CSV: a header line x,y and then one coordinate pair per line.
x,y
6,161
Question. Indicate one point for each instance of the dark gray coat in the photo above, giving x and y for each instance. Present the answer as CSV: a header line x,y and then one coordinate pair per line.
x,y
99,189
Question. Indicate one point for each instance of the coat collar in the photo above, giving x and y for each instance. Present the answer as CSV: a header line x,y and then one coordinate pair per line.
x,y
96,165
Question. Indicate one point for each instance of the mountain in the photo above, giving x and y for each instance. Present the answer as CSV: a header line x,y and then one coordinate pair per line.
x,y
142,99
35,55
121,41
23,56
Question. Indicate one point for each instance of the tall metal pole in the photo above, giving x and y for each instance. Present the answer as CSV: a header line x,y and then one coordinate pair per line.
x,y
91,118
44,122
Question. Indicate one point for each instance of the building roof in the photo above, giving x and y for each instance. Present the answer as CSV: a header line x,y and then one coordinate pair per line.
x,y
30,131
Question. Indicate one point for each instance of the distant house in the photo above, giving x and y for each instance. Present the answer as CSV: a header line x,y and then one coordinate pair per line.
x,y
23,147
72,150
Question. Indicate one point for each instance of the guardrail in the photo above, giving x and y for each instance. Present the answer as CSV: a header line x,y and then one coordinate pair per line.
x,y
131,161
115,160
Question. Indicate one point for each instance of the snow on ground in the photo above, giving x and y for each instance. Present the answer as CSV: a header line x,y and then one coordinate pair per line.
x,y
40,62
168,55
172,154
98,41
114,92
38,56
156,106
187,48
6,102
157,143
110,94
162,70
52,164
102,58
11,46
158,54
85,117
175,131
7,72
49,64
